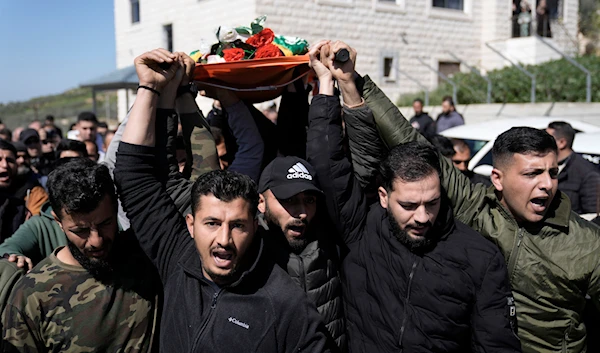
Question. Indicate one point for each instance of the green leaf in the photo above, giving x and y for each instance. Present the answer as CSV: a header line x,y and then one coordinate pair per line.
x,y
243,30
256,28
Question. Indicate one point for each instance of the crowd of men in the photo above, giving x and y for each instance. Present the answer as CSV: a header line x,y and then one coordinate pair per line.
x,y
334,226
30,154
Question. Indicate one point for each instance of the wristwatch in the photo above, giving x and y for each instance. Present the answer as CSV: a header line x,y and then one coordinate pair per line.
x,y
190,88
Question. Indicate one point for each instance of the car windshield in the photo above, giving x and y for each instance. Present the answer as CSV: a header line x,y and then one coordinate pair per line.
x,y
475,145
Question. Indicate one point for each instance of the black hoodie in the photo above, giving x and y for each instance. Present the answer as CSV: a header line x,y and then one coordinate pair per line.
x,y
263,311
453,297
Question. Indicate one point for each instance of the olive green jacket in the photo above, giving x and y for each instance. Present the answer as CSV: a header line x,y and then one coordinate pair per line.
x,y
552,264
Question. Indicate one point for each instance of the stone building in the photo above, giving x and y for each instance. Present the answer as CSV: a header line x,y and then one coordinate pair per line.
x,y
394,38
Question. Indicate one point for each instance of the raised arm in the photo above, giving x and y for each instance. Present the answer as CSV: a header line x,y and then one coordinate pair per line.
x,y
324,150
395,129
292,120
201,150
157,224
250,147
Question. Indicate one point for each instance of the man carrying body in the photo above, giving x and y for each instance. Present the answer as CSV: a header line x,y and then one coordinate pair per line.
x,y
98,293
553,255
298,233
222,293
415,280
422,121
577,178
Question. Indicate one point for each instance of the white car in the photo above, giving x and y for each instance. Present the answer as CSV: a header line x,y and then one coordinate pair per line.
x,y
481,137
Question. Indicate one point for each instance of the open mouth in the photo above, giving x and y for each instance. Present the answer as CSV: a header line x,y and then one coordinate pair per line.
x,y
296,230
96,253
4,176
539,203
222,258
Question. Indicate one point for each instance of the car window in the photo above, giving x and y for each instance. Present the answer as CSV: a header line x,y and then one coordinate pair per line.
x,y
486,160
475,145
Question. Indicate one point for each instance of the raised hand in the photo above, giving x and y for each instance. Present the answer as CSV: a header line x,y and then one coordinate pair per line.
x,y
318,54
189,66
149,71
342,72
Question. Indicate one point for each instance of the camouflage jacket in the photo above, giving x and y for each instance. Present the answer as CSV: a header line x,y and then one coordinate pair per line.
x,y
61,308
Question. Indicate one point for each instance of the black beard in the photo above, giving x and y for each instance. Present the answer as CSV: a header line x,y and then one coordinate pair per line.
x,y
297,245
414,245
99,269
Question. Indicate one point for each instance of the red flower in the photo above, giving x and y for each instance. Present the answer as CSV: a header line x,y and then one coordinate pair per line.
x,y
261,38
233,54
268,51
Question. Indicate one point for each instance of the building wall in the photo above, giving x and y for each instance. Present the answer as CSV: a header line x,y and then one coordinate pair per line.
x,y
407,30
192,21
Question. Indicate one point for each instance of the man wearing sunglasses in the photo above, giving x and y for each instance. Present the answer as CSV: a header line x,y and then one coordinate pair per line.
x,y
461,159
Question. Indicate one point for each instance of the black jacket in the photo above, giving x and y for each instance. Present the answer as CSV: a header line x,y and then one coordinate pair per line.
x,y
452,298
580,181
424,123
264,311
316,270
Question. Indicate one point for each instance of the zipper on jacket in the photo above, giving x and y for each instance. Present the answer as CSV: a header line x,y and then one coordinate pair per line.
x,y
410,278
213,306
515,254
302,274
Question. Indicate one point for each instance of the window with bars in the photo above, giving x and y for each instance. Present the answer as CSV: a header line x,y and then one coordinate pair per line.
x,y
135,11
168,37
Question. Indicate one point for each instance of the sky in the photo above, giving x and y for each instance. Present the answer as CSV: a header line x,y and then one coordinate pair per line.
x,y
49,46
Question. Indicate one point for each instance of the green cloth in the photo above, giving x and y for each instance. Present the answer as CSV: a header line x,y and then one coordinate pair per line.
x,y
36,238
552,264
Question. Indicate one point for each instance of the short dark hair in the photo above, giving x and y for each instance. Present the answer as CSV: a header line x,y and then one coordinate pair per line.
x,y
7,132
71,145
225,186
449,100
102,124
5,145
50,118
563,130
522,140
87,116
418,100
409,162
78,186
443,145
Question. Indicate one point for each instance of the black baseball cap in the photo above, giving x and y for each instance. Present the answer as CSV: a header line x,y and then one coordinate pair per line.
x,y
27,134
288,176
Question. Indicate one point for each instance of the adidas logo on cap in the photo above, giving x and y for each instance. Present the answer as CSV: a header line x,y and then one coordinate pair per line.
x,y
299,171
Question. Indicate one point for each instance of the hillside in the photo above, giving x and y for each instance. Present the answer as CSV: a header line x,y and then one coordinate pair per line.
x,y
64,107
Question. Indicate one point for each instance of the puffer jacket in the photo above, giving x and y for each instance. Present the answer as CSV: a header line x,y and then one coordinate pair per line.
x,y
453,297
580,181
317,271
552,264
